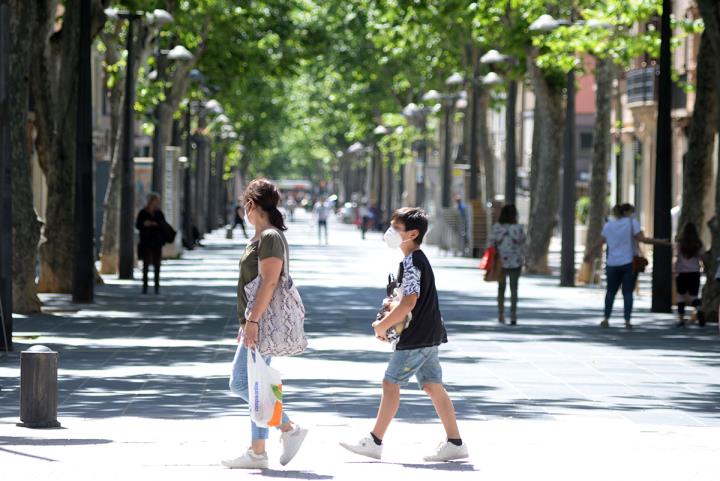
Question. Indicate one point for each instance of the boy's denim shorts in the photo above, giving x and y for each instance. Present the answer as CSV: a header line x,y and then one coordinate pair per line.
x,y
422,362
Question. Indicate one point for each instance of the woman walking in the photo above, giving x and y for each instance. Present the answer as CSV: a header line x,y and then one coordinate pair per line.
x,y
689,249
151,224
264,256
622,235
508,238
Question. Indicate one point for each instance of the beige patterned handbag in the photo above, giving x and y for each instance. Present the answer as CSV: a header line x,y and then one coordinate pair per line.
x,y
281,327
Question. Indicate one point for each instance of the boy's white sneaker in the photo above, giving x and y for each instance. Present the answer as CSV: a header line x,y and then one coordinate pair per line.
x,y
365,447
291,441
249,460
447,451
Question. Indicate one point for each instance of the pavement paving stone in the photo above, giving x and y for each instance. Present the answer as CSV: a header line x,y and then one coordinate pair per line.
x,y
143,379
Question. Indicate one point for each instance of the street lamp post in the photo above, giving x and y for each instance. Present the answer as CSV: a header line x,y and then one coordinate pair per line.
x,y
379,132
493,57
547,23
212,106
6,306
417,116
662,257
83,280
448,101
126,259
187,215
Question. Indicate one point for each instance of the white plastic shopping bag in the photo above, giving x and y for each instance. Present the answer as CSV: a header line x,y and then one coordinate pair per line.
x,y
265,385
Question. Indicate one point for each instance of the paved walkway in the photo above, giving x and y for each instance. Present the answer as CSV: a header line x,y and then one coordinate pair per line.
x,y
143,379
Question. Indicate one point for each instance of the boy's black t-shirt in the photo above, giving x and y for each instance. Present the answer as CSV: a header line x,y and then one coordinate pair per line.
x,y
426,328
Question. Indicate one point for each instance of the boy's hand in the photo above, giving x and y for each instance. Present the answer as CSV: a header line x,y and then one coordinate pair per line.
x,y
379,331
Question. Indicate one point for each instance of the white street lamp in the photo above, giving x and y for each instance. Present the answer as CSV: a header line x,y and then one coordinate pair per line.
x,y
492,79
455,80
160,17
179,53
432,96
545,23
356,147
381,130
213,106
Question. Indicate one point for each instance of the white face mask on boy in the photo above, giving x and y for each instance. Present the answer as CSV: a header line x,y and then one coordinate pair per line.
x,y
393,239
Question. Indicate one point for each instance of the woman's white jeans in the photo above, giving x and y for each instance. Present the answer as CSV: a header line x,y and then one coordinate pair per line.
x,y
239,386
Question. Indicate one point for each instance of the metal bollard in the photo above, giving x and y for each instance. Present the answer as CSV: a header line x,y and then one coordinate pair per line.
x,y
38,388
228,232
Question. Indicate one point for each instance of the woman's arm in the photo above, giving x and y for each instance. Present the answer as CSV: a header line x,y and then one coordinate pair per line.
x,y
640,237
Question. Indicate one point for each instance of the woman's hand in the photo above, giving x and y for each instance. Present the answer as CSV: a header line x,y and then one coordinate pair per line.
x,y
250,334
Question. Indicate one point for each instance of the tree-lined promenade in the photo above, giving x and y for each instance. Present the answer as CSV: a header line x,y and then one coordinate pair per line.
x,y
300,89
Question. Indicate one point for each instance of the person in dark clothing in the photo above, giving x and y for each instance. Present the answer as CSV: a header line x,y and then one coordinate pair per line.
x,y
151,223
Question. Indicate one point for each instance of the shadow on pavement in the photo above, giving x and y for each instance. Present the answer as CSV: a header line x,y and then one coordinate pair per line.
x,y
138,355
291,474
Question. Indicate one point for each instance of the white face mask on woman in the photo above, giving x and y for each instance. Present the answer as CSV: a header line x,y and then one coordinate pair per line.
x,y
393,239
247,217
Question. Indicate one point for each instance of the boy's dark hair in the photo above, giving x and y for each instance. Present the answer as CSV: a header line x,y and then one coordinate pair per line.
x,y
413,218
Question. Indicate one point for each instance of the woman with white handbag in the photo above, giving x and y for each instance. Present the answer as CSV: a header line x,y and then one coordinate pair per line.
x,y
267,300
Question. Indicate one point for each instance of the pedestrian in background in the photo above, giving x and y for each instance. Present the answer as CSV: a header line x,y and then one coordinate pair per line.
x,y
688,252
462,223
322,213
364,213
622,235
154,233
264,256
508,238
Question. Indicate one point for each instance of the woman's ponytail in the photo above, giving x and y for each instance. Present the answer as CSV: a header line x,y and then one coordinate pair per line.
x,y
276,218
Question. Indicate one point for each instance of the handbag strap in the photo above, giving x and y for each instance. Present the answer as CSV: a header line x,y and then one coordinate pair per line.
x,y
286,258
633,243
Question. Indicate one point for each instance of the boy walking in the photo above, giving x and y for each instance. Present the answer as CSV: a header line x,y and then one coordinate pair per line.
x,y
416,352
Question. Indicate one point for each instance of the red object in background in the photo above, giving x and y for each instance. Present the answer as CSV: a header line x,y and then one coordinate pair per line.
x,y
488,258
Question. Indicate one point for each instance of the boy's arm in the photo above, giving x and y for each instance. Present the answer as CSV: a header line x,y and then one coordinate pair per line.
x,y
397,314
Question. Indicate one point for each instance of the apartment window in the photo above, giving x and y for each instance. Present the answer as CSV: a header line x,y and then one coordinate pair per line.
x,y
586,142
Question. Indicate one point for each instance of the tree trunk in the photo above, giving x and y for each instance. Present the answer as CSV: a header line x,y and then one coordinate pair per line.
x,y
109,255
698,166
550,115
54,79
604,70
25,223
57,119
710,11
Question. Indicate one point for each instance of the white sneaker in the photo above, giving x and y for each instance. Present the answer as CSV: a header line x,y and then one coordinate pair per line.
x,y
291,441
249,460
447,451
365,447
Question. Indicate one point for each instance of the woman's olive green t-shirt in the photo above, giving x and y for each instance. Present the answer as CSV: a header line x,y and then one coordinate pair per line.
x,y
271,244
